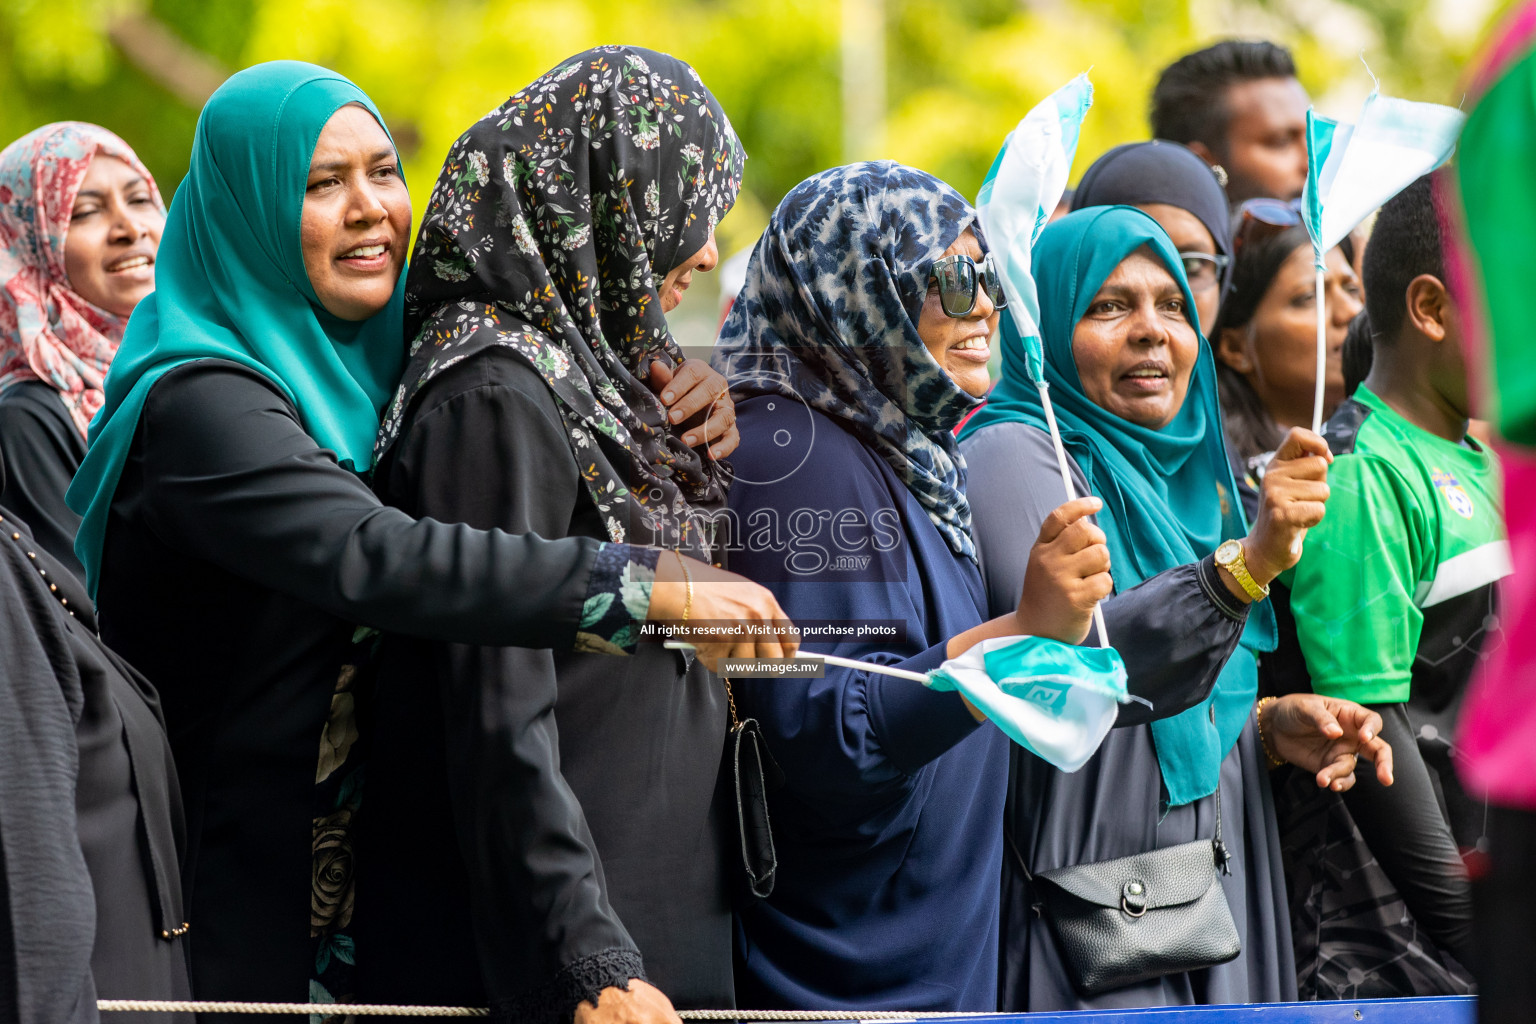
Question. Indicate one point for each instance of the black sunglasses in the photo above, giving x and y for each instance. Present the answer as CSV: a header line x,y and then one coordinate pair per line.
x,y
960,279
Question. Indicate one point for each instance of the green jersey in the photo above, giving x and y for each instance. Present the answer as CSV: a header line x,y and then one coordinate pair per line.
x,y
1394,594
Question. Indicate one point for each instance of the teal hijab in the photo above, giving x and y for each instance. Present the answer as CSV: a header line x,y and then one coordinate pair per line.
x,y
1169,498
230,284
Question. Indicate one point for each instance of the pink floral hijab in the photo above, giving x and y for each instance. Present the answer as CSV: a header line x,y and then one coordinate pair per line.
x,y
47,331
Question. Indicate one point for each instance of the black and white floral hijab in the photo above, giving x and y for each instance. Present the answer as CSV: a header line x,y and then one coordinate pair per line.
x,y
828,315
549,230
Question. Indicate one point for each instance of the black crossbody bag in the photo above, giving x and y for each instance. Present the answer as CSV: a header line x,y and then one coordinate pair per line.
x,y
1122,921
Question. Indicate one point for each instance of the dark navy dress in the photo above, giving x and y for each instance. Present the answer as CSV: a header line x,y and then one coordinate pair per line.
x,y
888,827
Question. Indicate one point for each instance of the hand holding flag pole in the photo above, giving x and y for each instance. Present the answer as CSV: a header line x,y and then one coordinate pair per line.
x,y
1026,181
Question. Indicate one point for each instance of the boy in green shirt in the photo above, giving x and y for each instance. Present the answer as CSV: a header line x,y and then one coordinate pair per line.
x,y
1393,602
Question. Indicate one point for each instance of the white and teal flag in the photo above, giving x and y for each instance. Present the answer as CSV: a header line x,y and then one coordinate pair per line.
x,y
1354,169
1020,192
1017,198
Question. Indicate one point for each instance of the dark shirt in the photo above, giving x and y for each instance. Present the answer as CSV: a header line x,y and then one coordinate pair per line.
x,y
90,820
41,449
238,557
888,828
522,901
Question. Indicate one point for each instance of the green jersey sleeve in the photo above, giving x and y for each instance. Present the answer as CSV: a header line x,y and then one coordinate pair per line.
x,y
1352,593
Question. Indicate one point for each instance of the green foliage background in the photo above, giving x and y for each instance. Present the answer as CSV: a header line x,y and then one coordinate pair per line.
x,y
960,72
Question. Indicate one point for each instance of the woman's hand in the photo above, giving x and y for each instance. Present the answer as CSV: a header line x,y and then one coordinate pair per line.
x,y
696,390
1291,501
642,1004
1067,575
722,599
1325,735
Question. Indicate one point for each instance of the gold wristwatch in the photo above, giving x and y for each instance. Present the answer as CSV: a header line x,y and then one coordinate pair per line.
x,y
1230,557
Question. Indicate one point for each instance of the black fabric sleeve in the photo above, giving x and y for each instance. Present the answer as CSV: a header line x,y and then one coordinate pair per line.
x,y
1174,630
1175,638
40,450
495,455
1406,829
47,905
232,478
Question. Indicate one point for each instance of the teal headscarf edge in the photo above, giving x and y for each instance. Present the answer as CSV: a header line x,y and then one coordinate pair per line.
x,y
1072,259
340,387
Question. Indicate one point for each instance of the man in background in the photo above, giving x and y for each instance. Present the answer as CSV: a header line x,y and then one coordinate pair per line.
x,y
1238,105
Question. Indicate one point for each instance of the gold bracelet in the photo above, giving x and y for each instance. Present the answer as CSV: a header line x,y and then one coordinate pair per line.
x,y
1258,718
682,564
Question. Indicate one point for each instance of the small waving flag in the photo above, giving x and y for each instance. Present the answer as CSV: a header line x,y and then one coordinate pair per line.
x,y
1025,183
1354,169
1056,700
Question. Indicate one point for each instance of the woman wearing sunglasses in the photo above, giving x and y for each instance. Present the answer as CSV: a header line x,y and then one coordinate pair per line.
x,y
1266,334
859,341
1134,391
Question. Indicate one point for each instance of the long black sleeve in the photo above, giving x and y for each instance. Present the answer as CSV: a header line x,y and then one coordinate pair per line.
x,y
1408,834
495,455
232,478
1174,630
41,449
47,905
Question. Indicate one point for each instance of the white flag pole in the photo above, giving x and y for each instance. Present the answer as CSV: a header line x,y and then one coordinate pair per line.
x,y
830,659
1322,354
1066,482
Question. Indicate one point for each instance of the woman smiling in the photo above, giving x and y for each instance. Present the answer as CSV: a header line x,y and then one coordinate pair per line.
x,y
80,222
235,549
1134,389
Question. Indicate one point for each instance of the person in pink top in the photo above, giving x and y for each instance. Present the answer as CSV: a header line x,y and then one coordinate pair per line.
x,y
1497,733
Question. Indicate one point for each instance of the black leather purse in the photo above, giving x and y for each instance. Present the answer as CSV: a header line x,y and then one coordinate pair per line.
x,y
1121,921
753,774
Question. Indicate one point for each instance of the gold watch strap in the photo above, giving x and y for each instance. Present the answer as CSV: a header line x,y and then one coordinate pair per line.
x,y
1238,567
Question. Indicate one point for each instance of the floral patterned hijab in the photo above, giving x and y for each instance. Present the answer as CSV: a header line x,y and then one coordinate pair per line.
x,y
828,315
548,232
47,331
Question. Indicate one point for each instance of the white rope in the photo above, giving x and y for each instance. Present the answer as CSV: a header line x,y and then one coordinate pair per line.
x,y
303,1009
379,1010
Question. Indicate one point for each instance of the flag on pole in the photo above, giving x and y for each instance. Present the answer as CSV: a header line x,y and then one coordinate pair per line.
x,y
1354,169
1020,191
1056,700
1015,203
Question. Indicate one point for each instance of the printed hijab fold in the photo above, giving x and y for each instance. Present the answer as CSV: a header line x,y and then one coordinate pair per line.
x,y
1168,493
230,284
828,316
553,223
48,332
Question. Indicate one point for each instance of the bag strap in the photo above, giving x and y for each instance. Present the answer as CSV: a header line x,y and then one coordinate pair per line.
x,y
730,703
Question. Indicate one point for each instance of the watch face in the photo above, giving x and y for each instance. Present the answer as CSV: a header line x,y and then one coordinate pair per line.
x,y
1228,551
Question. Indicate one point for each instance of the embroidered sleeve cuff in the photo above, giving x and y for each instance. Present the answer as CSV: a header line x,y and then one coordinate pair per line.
x,y
580,981
618,597
1216,590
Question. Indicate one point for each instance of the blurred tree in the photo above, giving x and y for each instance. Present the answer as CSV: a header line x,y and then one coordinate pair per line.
x,y
960,73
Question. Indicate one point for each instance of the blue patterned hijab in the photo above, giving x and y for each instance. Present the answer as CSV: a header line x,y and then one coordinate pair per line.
x,y
829,314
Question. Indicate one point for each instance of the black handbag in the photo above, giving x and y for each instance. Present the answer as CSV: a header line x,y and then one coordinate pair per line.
x,y
1121,921
753,774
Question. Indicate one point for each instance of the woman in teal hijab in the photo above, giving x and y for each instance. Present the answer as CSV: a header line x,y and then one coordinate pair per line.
x,y
242,563
1134,390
